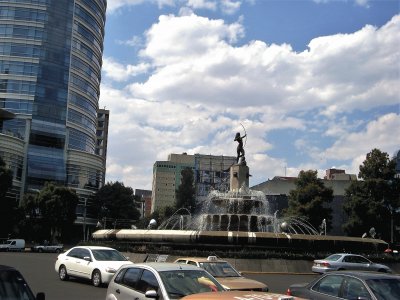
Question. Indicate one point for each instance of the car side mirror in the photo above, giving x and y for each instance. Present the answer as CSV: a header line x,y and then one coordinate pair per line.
x,y
40,296
87,258
151,294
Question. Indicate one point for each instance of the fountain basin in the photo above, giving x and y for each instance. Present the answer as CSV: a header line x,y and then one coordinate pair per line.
x,y
176,239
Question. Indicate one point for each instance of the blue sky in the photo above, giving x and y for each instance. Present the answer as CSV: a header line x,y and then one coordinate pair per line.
x,y
314,83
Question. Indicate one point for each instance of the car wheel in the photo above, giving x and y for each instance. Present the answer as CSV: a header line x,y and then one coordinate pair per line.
x,y
96,278
58,250
62,273
40,250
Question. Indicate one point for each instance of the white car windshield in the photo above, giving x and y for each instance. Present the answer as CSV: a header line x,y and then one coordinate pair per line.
x,y
179,283
219,269
108,255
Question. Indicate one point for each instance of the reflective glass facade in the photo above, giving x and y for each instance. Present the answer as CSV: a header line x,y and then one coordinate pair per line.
x,y
50,72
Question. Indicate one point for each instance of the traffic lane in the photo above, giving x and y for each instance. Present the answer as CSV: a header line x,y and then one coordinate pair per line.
x,y
38,270
279,282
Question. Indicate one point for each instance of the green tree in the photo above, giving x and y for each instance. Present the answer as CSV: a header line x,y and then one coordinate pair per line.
x,y
8,205
185,194
117,202
371,203
52,210
309,200
31,225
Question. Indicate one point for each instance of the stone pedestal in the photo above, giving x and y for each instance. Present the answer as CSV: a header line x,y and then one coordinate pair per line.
x,y
239,177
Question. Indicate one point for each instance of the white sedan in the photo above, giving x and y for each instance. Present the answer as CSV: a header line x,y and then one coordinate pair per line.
x,y
91,262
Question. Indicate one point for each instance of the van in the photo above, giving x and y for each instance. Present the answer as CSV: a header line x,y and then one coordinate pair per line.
x,y
13,245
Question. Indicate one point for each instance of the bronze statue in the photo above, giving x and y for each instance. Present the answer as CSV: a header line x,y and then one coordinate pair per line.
x,y
240,149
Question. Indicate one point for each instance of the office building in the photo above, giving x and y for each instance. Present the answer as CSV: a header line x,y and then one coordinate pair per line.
x,y
51,128
210,172
277,192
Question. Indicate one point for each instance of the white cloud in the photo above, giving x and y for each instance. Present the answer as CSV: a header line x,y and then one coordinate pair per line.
x,y
202,85
119,72
380,133
226,6
230,6
135,42
202,4
364,3
338,73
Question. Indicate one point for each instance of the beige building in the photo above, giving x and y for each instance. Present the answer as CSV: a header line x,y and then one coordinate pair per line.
x,y
277,191
210,172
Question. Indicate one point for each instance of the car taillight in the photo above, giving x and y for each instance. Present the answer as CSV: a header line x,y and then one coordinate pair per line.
x,y
289,292
325,264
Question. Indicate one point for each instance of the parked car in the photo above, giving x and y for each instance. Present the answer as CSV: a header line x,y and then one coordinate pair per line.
x,y
13,245
13,285
223,271
349,285
345,261
91,262
240,295
160,281
47,248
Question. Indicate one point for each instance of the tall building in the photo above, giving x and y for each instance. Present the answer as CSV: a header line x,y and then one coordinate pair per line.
x,y
50,64
210,172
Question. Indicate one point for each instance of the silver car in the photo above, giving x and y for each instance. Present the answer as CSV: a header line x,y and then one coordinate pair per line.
x,y
165,281
345,261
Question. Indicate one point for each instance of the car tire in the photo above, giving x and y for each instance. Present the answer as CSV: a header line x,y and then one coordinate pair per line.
x,y
40,250
58,250
62,273
96,278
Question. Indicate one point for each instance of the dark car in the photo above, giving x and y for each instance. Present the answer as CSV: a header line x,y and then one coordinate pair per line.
x,y
349,285
13,285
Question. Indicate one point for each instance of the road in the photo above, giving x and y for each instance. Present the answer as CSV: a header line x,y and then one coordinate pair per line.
x,y
38,270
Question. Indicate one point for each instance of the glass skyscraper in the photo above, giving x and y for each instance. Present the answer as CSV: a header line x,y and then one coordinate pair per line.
x,y
50,64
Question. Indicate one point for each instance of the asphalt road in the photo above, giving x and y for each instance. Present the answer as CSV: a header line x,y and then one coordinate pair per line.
x,y
38,270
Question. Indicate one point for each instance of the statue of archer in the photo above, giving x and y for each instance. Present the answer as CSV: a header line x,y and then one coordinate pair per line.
x,y
240,149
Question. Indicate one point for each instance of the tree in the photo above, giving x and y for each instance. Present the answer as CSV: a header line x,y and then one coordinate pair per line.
x,y
8,205
57,207
185,194
50,214
117,202
371,203
309,200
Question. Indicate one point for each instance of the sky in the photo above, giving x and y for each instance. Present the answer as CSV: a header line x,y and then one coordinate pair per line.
x,y
315,84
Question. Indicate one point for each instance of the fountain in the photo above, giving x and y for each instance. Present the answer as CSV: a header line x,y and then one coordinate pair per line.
x,y
240,219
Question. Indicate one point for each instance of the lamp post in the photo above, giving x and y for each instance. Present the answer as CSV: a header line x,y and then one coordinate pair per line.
x,y
84,220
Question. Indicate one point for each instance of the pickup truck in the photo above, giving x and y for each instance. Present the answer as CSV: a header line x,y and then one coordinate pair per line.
x,y
47,248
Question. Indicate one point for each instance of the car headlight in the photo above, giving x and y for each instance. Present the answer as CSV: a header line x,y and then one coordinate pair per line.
x,y
110,270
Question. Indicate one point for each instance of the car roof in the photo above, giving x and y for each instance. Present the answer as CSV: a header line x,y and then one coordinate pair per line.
x,y
231,295
94,247
365,275
6,268
163,266
200,259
